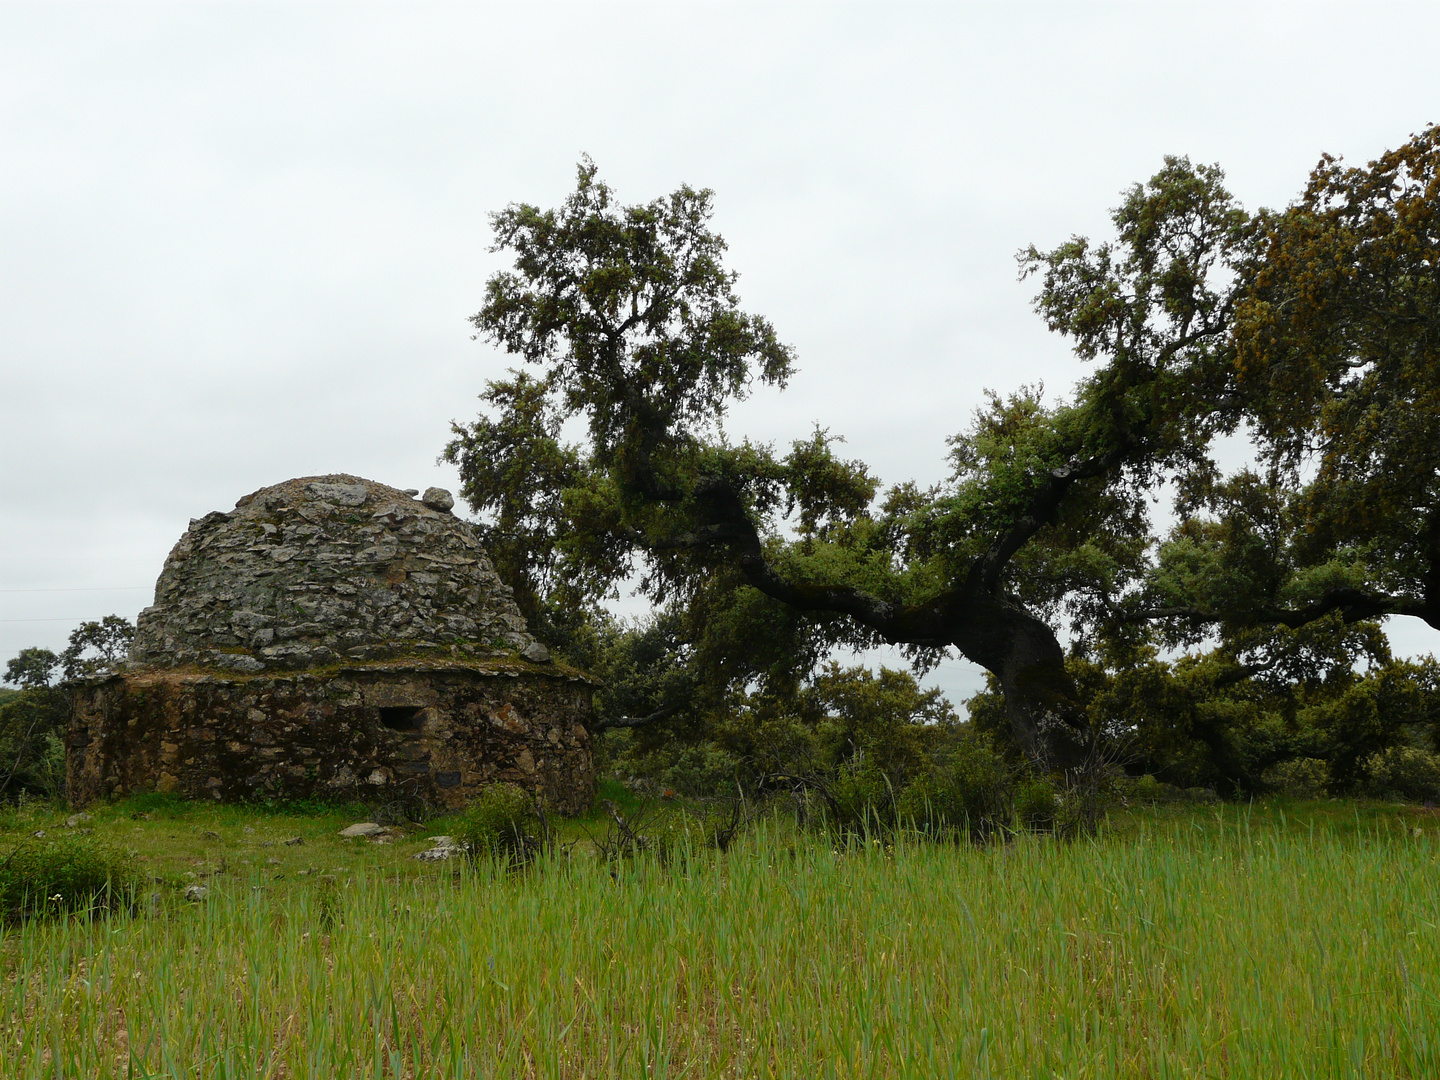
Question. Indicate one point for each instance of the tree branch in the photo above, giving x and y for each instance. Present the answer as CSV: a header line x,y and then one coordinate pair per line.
x,y
637,721
1353,605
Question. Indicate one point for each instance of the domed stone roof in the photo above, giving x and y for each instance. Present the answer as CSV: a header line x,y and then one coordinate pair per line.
x,y
325,569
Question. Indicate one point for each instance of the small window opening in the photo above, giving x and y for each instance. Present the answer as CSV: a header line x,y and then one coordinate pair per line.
x,y
401,717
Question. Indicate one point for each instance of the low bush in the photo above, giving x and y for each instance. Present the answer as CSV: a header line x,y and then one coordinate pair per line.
x,y
1037,805
971,793
861,800
673,836
54,877
1299,778
32,753
672,833
502,823
1147,791
1405,772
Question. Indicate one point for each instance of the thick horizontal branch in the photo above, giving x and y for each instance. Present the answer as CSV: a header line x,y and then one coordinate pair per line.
x,y
1352,604
729,524
637,721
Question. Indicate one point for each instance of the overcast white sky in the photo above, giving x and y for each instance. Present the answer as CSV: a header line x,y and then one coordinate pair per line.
x,y
239,243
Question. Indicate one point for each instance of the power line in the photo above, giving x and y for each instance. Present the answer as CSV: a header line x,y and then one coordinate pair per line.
x,y
80,618
98,588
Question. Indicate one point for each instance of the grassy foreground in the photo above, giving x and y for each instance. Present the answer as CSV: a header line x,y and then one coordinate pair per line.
x,y
1207,943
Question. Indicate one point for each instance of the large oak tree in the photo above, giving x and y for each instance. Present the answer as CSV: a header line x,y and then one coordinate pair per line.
x,y
632,323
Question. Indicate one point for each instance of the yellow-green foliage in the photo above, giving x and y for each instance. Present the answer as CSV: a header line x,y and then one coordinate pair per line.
x,y
501,823
971,793
40,877
1198,945
1300,778
1404,771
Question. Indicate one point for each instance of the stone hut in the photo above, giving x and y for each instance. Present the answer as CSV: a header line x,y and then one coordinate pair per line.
x,y
333,637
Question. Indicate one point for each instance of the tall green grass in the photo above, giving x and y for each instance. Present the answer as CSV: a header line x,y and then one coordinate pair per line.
x,y
1204,947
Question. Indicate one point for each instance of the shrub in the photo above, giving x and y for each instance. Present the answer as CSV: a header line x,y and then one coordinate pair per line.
x,y
971,793
673,835
68,874
32,754
1404,771
1299,778
1036,804
502,823
700,770
860,799
1146,789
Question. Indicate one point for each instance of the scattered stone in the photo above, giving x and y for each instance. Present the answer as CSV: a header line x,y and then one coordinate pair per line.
x,y
294,840
438,499
382,838
536,653
412,492
364,828
443,847
196,893
272,862
76,819
249,829
210,834
39,834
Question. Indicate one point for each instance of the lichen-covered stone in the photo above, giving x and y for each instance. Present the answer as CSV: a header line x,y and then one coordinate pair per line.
x,y
322,570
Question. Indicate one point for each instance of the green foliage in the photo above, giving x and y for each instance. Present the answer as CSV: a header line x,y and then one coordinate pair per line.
x,y
32,750
972,793
697,769
32,669
674,836
52,877
502,823
1406,772
95,648
1336,370
329,904
861,800
1316,326
162,805
884,719
1299,778
33,721
1121,956
514,472
1037,804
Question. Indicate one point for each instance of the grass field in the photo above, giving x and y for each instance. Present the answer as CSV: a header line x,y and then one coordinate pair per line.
x,y
1300,940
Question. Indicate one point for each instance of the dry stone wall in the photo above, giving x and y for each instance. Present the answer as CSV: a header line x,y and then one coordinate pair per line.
x,y
333,637
378,732
325,569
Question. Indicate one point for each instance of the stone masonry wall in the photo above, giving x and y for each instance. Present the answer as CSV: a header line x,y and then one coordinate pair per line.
x,y
434,732
324,569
